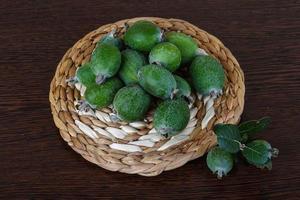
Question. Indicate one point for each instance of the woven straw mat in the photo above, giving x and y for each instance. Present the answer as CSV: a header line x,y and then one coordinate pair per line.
x,y
148,161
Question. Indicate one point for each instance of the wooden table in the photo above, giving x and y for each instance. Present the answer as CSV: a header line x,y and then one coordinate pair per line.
x,y
35,163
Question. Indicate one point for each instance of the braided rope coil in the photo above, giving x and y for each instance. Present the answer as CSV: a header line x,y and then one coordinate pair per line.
x,y
148,160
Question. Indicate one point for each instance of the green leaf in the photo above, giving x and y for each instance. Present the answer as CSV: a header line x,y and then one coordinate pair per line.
x,y
249,128
228,137
257,152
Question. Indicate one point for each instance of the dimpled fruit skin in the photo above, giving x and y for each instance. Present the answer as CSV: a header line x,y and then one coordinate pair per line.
x,y
219,160
167,54
132,61
102,95
184,89
106,60
207,75
157,81
131,103
85,75
142,36
171,117
187,45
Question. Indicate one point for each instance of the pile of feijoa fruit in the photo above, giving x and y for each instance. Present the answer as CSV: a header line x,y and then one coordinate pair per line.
x,y
149,68
145,69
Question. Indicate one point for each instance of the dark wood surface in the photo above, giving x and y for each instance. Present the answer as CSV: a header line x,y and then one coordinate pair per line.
x,y
35,163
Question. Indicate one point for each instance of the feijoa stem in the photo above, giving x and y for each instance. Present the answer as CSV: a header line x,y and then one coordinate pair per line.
x,y
275,152
158,63
114,117
161,36
72,81
112,33
126,26
219,174
100,79
215,93
173,94
165,131
84,106
190,99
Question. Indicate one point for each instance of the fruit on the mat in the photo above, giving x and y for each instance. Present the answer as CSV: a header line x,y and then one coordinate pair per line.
x,y
157,81
220,162
171,117
186,44
99,96
208,75
131,103
105,62
85,75
111,38
184,89
143,36
132,61
165,54
259,152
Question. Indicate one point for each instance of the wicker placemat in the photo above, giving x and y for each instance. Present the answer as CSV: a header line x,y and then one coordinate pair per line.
x,y
101,141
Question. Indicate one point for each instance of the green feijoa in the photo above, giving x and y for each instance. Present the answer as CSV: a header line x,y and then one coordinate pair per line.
x,y
186,44
208,75
143,35
131,103
259,152
85,75
157,80
171,117
132,61
105,62
184,89
219,161
111,38
165,54
100,96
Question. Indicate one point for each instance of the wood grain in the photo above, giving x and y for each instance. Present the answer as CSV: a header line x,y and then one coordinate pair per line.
x,y
37,164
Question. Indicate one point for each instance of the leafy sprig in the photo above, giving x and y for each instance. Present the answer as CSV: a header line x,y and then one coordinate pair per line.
x,y
240,138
